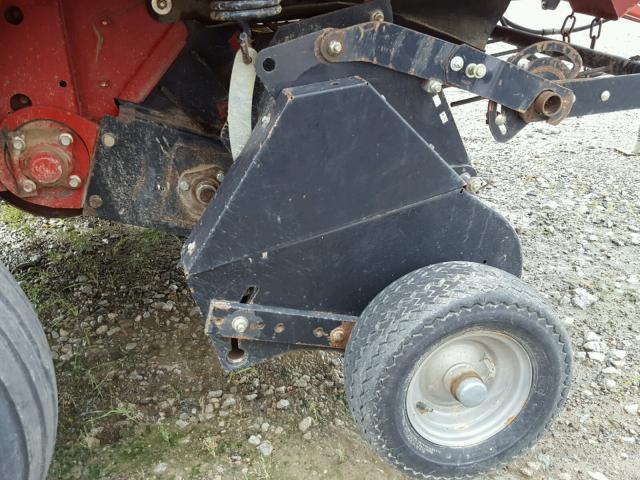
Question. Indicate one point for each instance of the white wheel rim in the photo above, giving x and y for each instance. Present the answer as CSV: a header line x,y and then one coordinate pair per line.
x,y
491,358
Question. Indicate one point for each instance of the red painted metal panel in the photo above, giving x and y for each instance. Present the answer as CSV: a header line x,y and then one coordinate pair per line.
x,y
63,64
610,9
634,14
110,42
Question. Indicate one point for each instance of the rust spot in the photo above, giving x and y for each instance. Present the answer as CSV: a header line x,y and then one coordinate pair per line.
x,y
340,335
510,420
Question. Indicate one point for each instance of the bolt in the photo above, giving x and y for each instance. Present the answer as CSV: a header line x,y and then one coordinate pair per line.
x,y
337,335
501,119
432,86
75,181
220,176
95,201
457,63
377,16
19,143
523,64
471,391
605,96
104,84
265,120
481,71
28,186
476,70
108,140
161,7
240,324
65,139
183,186
334,48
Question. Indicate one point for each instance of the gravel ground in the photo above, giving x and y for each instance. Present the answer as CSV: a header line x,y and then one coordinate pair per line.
x,y
141,393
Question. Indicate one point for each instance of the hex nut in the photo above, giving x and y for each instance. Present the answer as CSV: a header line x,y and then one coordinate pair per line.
x,y
433,86
161,7
95,201
28,186
75,181
18,143
377,16
457,63
334,48
65,139
240,324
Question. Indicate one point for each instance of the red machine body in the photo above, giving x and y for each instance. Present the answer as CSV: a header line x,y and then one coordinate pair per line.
x,y
64,63
609,9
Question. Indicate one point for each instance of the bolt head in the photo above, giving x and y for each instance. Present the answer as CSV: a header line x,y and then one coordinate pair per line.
x,y
471,392
480,71
523,64
433,86
108,140
501,119
95,201
605,96
65,139
183,186
377,16
28,186
457,63
161,7
240,324
18,143
75,181
220,176
334,48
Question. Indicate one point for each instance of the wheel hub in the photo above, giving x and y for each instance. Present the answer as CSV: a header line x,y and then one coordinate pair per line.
x,y
468,388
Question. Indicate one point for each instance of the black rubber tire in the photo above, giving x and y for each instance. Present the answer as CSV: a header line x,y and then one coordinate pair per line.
x,y
412,316
28,395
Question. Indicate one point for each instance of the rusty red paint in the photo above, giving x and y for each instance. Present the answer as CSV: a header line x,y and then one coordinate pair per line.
x,y
70,60
45,167
610,9
77,155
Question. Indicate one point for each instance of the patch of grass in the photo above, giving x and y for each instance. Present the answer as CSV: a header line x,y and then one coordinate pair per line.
x,y
16,219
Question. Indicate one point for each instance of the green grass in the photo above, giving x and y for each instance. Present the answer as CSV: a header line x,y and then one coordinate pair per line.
x,y
16,219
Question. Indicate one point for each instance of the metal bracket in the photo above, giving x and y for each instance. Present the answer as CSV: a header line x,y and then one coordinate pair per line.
x,y
416,54
247,321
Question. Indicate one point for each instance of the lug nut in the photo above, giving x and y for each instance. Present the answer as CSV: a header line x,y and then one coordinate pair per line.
x,y
471,392
240,324
75,181
65,139
457,64
18,143
28,186
432,86
334,48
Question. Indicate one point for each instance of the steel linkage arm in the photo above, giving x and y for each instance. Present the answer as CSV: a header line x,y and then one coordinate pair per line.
x,y
404,50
